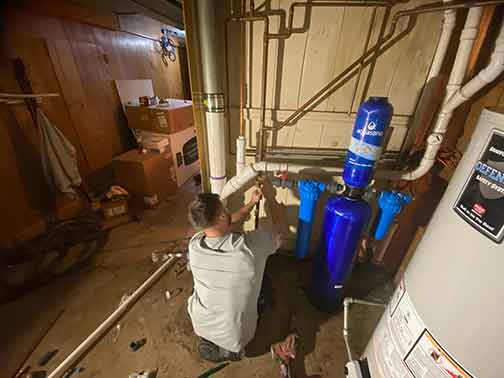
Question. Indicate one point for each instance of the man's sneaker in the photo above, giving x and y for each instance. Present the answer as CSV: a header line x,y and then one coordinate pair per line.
x,y
211,352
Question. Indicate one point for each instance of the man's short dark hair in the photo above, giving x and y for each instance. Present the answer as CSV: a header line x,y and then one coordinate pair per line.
x,y
204,210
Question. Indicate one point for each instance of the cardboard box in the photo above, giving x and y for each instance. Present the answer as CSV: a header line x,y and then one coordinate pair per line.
x,y
146,174
161,119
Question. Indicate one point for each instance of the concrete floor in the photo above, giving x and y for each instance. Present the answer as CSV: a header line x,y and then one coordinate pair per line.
x,y
90,295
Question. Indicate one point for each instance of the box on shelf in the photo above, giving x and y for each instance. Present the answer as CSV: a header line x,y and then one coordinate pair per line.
x,y
146,174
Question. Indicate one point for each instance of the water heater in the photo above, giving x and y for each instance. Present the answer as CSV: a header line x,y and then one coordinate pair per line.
x,y
446,318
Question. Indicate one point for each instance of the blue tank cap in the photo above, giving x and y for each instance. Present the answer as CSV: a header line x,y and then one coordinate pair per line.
x,y
391,204
310,189
393,201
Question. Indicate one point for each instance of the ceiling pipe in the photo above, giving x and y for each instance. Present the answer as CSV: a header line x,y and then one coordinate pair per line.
x,y
212,63
457,98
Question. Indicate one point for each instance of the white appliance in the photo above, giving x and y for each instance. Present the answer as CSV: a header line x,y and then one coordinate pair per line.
x,y
446,318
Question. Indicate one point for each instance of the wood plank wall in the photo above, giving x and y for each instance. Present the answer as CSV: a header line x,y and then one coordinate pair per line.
x,y
80,62
304,63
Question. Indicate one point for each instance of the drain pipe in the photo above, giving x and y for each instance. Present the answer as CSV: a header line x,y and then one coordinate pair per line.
x,y
213,96
449,22
455,95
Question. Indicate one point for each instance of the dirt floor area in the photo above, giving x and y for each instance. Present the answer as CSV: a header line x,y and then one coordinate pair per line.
x,y
90,295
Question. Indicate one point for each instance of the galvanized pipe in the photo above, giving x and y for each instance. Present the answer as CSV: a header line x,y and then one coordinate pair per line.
x,y
77,354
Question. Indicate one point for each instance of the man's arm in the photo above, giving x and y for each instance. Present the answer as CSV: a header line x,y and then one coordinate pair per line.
x,y
243,213
277,213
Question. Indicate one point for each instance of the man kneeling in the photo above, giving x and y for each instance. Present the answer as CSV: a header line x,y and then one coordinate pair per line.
x,y
228,269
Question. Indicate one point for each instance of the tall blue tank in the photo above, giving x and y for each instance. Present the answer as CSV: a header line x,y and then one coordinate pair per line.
x,y
344,221
372,119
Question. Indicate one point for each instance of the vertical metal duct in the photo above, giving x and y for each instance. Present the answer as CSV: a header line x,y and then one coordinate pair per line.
x,y
210,34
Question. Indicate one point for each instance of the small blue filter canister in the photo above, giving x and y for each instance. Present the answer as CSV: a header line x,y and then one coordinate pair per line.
x,y
372,120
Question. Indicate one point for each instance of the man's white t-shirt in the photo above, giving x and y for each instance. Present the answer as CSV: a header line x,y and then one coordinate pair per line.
x,y
228,272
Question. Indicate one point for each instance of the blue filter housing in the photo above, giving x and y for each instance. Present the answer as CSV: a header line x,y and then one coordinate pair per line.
x,y
309,192
344,221
372,119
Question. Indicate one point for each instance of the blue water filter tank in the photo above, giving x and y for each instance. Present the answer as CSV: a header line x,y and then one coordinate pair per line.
x,y
344,221
372,119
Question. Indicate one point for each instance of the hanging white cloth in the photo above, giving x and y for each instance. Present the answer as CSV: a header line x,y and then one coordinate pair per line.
x,y
59,157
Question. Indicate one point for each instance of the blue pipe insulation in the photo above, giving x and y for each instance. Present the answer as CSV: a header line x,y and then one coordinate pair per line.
x,y
391,204
309,192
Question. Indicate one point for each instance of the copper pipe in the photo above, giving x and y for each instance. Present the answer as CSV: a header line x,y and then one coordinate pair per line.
x,y
261,142
299,112
364,49
242,71
314,4
436,7
375,56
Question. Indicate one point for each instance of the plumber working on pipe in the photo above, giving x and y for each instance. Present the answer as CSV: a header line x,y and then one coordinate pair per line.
x,y
228,270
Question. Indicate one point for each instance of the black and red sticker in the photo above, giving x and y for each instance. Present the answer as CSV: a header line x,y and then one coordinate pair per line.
x,y
481,201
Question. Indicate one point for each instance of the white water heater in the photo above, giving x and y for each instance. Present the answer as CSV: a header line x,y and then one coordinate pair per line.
x,y
446,318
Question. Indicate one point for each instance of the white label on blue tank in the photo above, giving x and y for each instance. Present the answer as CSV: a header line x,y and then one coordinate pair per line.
x,y
365,150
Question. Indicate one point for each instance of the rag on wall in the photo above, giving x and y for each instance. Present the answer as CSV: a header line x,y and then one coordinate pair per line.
x,y
59,157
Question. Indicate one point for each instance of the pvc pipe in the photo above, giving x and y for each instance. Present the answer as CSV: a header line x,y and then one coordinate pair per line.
x,y
104,327
346,329
449,22
240,153
457,98
216,138
467,38
253,170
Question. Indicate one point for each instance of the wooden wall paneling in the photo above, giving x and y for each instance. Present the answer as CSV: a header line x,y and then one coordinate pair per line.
x,y
324,37
289,67
307,133
255,69
416,58
489,98
348,50
74,12
19,207
103,138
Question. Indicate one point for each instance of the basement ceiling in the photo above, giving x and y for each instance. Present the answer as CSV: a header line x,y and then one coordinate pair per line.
x,y
165,11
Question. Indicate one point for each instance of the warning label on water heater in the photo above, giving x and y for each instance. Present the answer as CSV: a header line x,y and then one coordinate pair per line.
x,y
405,348
481,201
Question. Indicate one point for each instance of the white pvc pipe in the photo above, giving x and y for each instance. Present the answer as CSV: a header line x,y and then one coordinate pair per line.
x,y
449,22
216,139
467,38
240,153
103,328
346,315
458,97
251,171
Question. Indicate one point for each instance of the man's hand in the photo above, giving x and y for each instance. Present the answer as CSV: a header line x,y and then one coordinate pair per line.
x,y
256,194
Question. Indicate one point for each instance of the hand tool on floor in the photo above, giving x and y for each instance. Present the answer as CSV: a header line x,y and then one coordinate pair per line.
x,y
213,370
47,357
22,369
284,352
137,344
